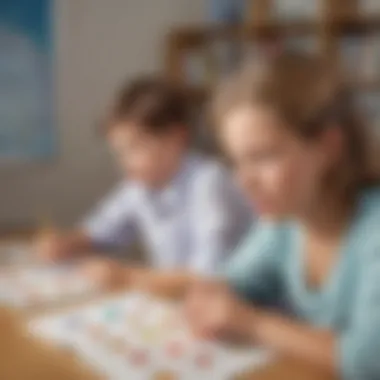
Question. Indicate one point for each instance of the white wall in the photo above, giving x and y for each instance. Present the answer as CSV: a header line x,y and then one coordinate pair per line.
x,y
99,43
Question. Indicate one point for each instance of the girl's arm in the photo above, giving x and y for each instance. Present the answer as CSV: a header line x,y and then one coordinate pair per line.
x,y
296,339
352,351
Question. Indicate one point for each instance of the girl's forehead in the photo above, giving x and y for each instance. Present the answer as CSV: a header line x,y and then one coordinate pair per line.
x,y
254,123
252,115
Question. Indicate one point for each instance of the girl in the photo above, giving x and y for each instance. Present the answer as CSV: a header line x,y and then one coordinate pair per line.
x,y
290,127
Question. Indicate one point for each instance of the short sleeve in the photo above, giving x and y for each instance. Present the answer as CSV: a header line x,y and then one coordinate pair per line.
x,y
359,344
254,271
113,222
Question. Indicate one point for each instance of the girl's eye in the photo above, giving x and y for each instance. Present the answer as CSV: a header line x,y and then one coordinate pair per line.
x,y
257,157
264,156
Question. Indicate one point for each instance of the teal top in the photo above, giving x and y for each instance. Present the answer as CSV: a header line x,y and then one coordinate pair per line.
x,y
269,267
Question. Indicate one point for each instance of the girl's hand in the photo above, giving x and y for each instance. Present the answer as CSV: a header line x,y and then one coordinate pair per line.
x,y
213,311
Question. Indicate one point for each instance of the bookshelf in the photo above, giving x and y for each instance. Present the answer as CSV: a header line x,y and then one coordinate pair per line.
x,y
345,31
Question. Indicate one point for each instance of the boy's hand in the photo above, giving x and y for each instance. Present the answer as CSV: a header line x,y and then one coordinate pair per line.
x,y
106,273
213,311
51,246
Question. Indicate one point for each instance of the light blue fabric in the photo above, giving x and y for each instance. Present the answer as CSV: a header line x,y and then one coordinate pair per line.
x,y
269,266
193,223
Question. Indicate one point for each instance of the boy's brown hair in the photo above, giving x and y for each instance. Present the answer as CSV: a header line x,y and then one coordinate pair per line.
x,y
309,95
153,104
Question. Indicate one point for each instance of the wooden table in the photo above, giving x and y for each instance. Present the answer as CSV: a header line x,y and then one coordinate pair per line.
x,y
280,369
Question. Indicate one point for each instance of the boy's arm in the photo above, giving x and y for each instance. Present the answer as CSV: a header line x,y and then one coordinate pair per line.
x,y
112,274
218,210
218,214
162,283
176,283
55,245
110,226
113,222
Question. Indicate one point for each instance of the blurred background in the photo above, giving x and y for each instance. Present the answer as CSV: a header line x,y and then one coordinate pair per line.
x,y
62,61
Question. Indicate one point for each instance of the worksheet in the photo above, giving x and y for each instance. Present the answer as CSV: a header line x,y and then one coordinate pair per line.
x,y
37,285
136,336
15,253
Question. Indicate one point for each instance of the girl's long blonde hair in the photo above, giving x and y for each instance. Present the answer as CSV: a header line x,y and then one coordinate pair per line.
x,y
309,95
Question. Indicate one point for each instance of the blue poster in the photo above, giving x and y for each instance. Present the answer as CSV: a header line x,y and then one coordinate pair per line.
x,y
227,11
26,93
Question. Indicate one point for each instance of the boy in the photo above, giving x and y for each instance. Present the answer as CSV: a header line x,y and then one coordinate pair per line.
x,y
185,207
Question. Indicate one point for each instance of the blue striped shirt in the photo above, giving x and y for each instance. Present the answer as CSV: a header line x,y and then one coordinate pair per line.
x,y
193,223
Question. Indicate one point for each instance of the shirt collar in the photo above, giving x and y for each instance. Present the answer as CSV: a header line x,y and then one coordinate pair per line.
x,y
172,193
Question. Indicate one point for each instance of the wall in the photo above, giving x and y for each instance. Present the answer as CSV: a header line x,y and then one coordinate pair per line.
x,y
98,43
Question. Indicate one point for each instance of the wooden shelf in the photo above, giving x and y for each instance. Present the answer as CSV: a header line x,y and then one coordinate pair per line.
x,y
289,28
367,85
353,25
199,93
193,36
339,19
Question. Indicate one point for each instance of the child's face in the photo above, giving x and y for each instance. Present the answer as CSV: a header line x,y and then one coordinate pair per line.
x,y
145,157
280,172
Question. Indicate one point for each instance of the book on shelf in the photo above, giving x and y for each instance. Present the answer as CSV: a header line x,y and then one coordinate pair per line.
x,y
366,73
369,7
303,43
351,56
228,54
369,105
296,9
360,56
194,68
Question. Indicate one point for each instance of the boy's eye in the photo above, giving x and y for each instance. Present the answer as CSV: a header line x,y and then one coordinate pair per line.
x,y
229,162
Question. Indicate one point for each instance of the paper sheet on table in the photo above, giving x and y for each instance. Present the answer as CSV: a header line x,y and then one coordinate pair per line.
x,y
37,285
135,336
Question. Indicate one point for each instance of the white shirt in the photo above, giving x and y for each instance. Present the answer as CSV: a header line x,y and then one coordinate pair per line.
x,y
193,223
